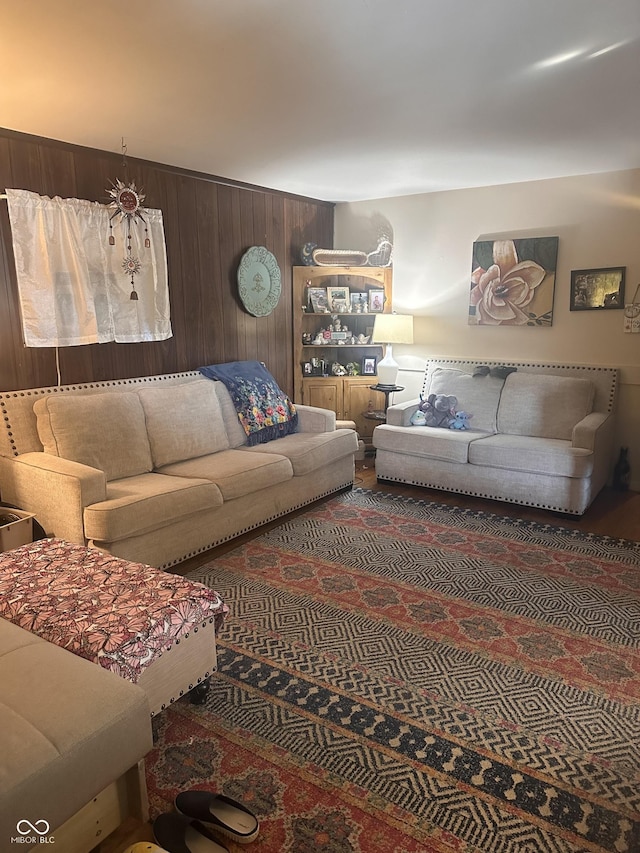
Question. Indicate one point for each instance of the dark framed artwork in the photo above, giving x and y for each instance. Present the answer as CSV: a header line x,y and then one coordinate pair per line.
x,y
596,289
369,363
513,282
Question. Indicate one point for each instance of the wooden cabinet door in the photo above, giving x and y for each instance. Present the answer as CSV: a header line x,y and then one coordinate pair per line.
x,y
357,396
324,392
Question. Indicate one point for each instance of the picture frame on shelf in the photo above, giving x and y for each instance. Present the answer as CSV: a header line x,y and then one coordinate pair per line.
x,y
369,365
307,368
597,289
359,303
376,301
338,299
318,299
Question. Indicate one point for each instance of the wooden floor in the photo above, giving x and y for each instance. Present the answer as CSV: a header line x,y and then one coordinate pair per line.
x,y
615,514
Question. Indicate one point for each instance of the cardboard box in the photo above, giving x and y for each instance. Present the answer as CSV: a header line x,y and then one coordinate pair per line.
x,y
16,533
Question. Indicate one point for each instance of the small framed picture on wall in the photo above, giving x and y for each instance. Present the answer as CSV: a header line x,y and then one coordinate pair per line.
x,y
600,288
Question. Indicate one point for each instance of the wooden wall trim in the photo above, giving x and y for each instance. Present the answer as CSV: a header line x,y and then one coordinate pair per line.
x,y
162,167
209,223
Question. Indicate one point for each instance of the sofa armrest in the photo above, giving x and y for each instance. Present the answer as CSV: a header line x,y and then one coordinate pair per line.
x,y
57,490
595,432
313,419
592,430
400,413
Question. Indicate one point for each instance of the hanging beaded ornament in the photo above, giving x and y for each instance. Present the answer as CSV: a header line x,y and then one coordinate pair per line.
x,y
127,201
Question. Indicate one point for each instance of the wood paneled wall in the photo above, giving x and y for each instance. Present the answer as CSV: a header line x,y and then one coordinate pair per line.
x,y
209,224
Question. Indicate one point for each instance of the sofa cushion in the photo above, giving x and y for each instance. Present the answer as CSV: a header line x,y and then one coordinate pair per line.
x,y
235,431
105,431
147,502
550,456
235,472
183,421
69,729
478,395
449,445
544,406
308,452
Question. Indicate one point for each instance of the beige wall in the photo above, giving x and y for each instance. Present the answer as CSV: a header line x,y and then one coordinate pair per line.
x,y
596,217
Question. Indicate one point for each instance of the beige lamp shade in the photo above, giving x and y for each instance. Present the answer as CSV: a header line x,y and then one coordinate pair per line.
x,y
391,329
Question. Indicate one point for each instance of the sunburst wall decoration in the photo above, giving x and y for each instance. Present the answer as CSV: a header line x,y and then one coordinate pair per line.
x,y
127,204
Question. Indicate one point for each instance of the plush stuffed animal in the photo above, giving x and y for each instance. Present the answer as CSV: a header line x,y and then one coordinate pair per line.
x,y
460,420
439,409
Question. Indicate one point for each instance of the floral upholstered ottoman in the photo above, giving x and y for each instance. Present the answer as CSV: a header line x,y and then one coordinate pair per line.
x,y
151,627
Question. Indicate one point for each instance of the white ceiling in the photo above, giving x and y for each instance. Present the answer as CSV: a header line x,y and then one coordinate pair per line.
x,y
334,99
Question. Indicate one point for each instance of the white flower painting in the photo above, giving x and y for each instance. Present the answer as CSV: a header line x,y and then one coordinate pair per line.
x,y
513,282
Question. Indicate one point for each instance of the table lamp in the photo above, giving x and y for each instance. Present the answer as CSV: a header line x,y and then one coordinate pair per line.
x,y
391,329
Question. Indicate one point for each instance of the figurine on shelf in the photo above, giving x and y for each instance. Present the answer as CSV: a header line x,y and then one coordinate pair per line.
x,y
319,339
338,369
307,338
363,339
353,369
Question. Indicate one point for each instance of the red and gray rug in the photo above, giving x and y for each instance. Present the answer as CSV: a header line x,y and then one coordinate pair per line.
x,y
399,676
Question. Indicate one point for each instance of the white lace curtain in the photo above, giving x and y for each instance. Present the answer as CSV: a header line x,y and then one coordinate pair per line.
x,y
72,286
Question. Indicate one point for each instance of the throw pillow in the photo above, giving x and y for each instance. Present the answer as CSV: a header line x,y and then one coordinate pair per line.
x,y
265,412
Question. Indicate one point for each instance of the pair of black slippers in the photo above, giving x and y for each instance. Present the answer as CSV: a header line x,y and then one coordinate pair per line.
x,y
199,821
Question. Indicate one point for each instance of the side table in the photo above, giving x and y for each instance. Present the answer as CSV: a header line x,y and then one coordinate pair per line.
x,y
387,390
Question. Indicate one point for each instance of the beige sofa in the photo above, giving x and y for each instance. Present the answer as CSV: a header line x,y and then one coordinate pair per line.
x,y
156,469
73,738
543,436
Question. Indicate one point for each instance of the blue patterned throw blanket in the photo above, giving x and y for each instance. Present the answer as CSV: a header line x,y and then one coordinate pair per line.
x,y
264,411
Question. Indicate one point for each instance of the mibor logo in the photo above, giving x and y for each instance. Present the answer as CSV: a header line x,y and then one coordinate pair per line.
x,y
33,833
24,827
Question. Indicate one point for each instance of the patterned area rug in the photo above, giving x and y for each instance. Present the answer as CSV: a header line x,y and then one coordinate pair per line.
x,y
399,676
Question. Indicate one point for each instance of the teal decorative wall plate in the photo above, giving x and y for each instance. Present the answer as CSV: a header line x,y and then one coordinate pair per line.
x,y
259,281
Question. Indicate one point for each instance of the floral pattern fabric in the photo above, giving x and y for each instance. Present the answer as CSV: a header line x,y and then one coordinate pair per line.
x,y
264,411
118,614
